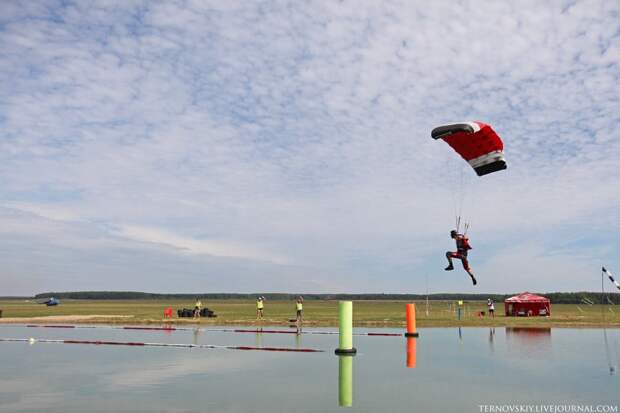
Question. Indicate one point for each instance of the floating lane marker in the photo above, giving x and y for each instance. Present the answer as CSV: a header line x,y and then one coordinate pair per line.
x,y
224,330
145,344
150,328
306,332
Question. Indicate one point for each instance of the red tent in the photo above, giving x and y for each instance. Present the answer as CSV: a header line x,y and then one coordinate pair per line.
x,y
527,304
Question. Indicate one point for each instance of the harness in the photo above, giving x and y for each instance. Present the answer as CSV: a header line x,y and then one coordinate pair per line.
x,y
462,244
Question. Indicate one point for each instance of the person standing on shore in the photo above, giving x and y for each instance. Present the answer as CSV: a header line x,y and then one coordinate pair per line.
x,y
491,307
197,308
260,304
299,306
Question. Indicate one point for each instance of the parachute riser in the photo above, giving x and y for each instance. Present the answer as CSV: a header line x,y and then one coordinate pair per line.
x,y
466,226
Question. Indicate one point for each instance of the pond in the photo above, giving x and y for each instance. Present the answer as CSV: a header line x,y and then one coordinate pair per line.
x,y
445,369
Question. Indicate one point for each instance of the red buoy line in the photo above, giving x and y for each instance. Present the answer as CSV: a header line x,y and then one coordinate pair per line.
x,y
225,330
145,344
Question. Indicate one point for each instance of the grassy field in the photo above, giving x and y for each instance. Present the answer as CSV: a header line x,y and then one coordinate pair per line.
x,y
316,313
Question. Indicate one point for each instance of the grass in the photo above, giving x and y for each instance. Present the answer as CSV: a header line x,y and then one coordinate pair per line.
x,y
316,313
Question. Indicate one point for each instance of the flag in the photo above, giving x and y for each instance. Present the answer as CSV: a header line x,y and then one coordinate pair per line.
x,y
611,278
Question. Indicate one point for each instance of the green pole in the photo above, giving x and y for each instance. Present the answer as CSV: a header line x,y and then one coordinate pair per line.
x,y
345,312
345,381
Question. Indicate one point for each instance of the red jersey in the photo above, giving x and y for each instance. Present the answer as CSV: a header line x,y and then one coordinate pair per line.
x,y
462,243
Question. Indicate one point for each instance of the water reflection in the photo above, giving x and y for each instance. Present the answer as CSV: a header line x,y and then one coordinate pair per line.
x,y
195,335
611,363
345,381
72,378
529,334
492,339
529,340
298,338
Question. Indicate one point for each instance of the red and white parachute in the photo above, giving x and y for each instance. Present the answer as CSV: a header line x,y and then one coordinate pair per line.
x,y
476,142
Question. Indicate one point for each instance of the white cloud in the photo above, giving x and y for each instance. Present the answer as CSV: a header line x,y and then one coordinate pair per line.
x,y
299,135
194,246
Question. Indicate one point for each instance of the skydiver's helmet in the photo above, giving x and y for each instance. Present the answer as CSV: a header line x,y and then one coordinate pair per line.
x,y
453,233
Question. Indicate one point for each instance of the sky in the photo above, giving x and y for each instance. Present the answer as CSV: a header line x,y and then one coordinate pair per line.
x,y
284,146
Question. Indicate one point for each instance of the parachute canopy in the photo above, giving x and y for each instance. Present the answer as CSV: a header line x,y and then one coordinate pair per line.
x,y
477,143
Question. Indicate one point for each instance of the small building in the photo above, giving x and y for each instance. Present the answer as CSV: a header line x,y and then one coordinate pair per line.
x,y
527,304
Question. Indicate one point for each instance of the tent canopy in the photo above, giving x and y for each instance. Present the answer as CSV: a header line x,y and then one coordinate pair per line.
x,y
527,298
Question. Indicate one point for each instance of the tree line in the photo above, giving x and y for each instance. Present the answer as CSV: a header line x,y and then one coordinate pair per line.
x,y
583,297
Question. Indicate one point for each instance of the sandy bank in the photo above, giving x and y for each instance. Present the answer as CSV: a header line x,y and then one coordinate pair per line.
x,y
63,318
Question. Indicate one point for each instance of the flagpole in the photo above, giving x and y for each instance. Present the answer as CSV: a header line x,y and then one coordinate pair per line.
x,y
602,285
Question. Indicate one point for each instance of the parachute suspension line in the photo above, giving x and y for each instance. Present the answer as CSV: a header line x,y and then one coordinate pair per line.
x,y
482,149
461,187
461,192
459,180
458,191
454,185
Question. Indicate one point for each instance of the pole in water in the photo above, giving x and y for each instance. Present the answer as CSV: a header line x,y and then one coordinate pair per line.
x,y
411,352
411,330
345,339
345,381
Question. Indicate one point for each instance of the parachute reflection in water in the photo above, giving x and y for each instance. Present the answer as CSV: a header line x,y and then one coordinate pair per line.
x,y
477,143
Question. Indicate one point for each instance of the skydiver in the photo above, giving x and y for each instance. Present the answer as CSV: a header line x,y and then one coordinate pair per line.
x,y
462,246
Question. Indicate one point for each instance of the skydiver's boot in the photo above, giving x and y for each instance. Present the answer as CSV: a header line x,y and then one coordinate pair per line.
x,y
450,267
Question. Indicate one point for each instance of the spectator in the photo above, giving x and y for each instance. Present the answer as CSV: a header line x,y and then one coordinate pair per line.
x,y
260,304
491,307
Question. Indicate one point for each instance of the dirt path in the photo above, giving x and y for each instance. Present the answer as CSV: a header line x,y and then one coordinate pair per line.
x,y
62,318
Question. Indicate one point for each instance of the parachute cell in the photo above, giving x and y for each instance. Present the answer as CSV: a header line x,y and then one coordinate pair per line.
x,y
477,143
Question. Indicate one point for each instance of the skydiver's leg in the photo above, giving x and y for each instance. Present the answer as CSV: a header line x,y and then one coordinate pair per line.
x,y
449,256
468,269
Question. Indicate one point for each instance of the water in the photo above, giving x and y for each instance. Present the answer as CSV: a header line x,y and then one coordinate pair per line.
x,y
453,370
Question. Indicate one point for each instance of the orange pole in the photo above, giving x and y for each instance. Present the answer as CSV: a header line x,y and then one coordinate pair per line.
x,y
411,350
411,330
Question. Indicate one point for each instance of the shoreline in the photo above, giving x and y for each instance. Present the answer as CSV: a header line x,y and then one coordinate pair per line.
x,y
130,320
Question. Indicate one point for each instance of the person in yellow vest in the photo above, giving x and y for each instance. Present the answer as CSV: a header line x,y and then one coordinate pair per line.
x,y
299,306
197,308
260,304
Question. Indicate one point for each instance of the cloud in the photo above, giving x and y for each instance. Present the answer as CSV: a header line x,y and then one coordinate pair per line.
x,y
191,245
296,138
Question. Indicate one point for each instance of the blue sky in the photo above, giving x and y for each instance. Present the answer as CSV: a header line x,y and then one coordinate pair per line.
x,y
196,146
